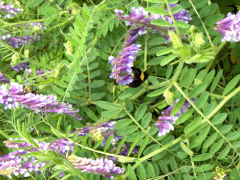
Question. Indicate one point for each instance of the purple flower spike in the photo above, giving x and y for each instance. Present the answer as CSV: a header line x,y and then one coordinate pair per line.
x,y
62,146
19,41
14,163
99,166
141,19
165,121
182,15
20,67
229,27
9,9
14,97
3,79
121,70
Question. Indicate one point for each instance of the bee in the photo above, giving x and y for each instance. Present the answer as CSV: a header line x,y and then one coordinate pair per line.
x,y
28,89
138,78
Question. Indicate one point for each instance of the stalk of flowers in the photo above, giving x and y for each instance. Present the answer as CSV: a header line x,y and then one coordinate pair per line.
x,y
142,19
19,41
9,9
14,163
25,39
229,27
102,131
3,78
165,121
62,146
15,97
21,66
121,69
99,166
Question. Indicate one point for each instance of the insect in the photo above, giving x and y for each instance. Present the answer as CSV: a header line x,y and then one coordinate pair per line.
x,y
28,89
138,78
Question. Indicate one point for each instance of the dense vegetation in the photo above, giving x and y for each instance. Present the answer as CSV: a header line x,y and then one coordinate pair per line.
x,y
120,89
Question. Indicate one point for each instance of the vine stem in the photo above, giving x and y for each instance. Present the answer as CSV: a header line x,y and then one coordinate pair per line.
x,y
145,53
218,49
179,70
143,90
174,22
201,22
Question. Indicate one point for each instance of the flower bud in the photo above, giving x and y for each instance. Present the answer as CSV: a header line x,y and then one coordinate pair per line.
x,y
26,53
15,59
69,47
169,97
59,71
197,81
177,43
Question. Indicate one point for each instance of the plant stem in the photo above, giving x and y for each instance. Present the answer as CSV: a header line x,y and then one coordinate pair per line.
x,y
201,22
179,70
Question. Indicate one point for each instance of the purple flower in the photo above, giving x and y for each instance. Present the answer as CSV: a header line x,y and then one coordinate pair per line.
x,y
98,132
9,9
20,67
19,41
141,19
62,146
121,69
3,78
229,27
15,97
165,121
99,166
182,15
14,163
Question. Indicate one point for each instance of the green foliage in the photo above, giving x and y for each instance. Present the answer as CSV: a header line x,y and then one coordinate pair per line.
x,y
73,53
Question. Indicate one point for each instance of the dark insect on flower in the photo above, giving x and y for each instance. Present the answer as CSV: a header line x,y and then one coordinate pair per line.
x,y
28,89
138,78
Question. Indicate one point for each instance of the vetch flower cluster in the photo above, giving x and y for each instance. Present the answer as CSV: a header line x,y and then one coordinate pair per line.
x,y
102,131
142,19
121,69
229,27
182,15
14,163
15,97
9,9
19,41
3,79
99,166
21,66
62,146
165,121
